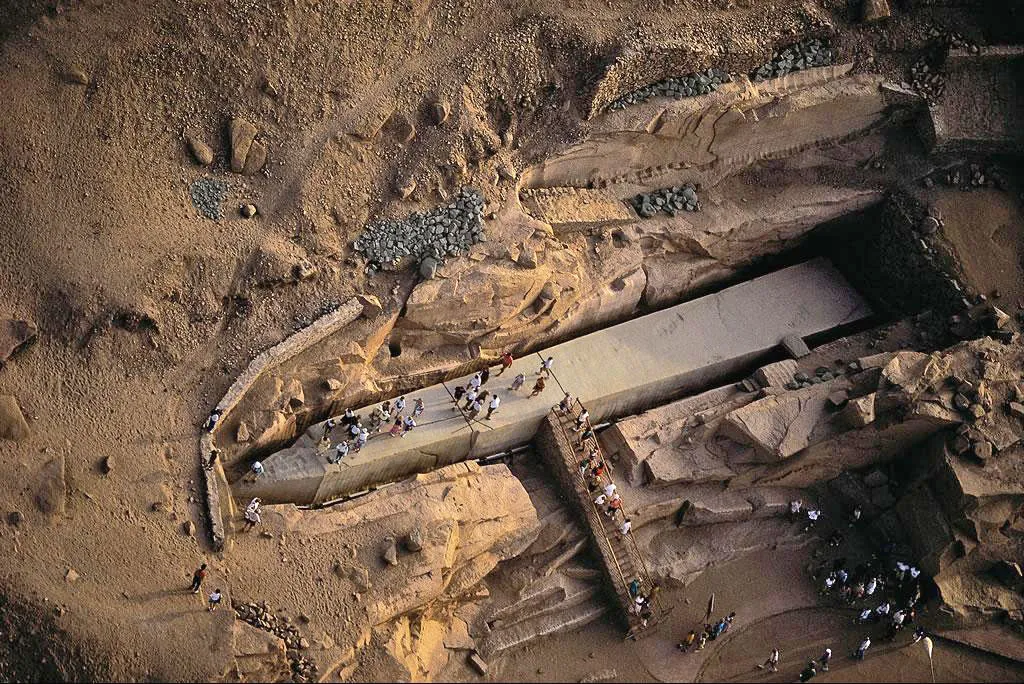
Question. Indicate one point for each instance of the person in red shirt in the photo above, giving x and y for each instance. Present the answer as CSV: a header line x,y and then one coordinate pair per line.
x,y
197,578
506,362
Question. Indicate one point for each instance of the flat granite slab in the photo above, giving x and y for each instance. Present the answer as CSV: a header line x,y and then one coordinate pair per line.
x,y
616,371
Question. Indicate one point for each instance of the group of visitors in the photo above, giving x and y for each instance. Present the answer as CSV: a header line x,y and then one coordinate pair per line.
x,y
593,468
710,632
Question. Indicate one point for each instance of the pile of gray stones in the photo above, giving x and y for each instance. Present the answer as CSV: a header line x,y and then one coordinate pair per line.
x,y
690,85
796,57
260,616
669,200
424,237
207,195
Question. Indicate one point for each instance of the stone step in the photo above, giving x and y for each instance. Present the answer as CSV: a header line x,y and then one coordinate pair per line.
x,y
574,617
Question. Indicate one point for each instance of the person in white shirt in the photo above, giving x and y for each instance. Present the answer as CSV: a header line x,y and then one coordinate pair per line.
x,y
475,381
865,615
626,527
871,586
883,609
364,435
340,452
493,406
215,599
407,425
794,508
863,648
914,572
471,396
545,366
517,382
601,498
609,489
582,419
257,469
399,405
252,513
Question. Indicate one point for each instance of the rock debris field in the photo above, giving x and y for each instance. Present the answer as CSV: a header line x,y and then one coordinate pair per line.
x,y
426,238
797,57
691,85
669,200
207,195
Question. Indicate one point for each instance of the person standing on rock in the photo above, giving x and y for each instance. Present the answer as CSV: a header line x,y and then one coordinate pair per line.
x,y
471,395
582,419
364,435
396,429
794,508
475,381
517,382
686,643
538,387
474,409
215,599
587,434
417,408
545,366
808,672
407,425
340,452
457,395
772,663
506,362
493,406
825,659
348,417
485,375
257,469
626,527
614,505
211,422
863,648
399,405
252,514
197,578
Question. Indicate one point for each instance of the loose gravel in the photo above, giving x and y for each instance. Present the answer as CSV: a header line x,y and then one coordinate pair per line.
x,y
207,195
797,57
669,200
677,87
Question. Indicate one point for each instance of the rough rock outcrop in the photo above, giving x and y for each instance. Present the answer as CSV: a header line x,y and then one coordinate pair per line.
x,y
12,422
15,335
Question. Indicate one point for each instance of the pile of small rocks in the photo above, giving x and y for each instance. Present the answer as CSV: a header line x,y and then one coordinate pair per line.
x,y
426,238
953,40
260,616
669,200
926,80
690,85
797,57
967,177
207,195
821,374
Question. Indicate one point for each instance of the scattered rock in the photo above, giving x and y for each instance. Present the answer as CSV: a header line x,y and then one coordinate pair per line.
x,y
439,112
982,450
838,399
414,542
13,425
76,74
795,347
207,195
247,210
406,187
859,412
527,258
359,577
243,434
51,497
107,464
71,576
428,268
333,385
600,676
676,87
876,478
875,10
478,663
668,200
15,518
201,152
390,551
189,528
797,57
242,133
976,410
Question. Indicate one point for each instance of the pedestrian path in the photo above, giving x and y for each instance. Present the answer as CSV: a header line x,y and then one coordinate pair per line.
x,y
618,370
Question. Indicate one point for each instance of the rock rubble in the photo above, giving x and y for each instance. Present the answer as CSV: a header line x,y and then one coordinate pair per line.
x,y
426,238
260,616
690,85
669,200
797,57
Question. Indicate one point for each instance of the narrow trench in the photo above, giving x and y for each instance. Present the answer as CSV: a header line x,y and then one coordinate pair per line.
x,y
860,245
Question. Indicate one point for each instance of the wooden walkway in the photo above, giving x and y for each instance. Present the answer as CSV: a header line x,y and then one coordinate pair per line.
x,y
559,443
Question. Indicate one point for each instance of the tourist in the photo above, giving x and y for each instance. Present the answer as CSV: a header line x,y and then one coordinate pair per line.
x,y
457,396
855,516
614,505
215,599
825,659
471,395
582,419
492,406
625,528
475,381
355,428
686,643
407,425
794,508
919,634
399,405
729,618
808,672
257,469
609,489
812,519
646,612
474,409
340,452
485,375
914,572
638,603
361,439
211,422
634,587
883,609
584,436
772,663
197,578
517,382
858,591
214,455
348,418
600,500
252,514
375,421
863,648
538,387
545,366
864,617
702,641
872,584
842,576
830,582
506,362
482,397
584,466
599,469
835,539
565,404
417,408
384,411
396,429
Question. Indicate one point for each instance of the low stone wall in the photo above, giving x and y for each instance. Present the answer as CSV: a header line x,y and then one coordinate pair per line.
x,y
214,480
